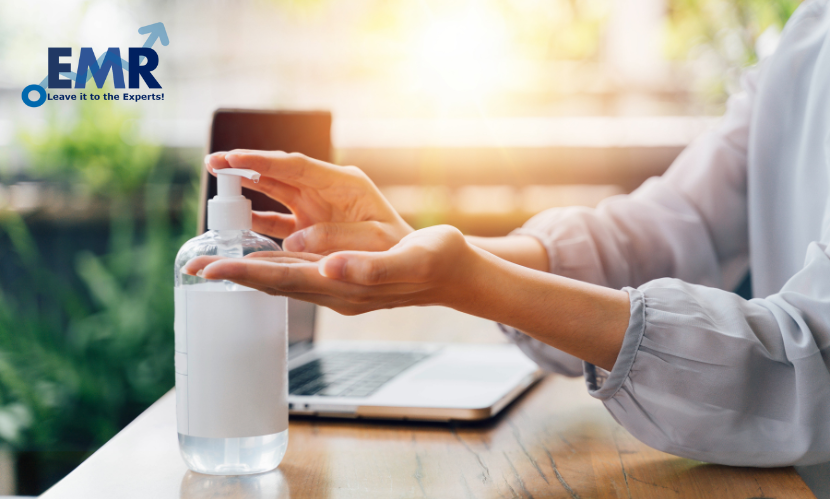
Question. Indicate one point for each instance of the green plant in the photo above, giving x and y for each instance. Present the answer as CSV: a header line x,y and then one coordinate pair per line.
x,y
83,360
97,148
84,351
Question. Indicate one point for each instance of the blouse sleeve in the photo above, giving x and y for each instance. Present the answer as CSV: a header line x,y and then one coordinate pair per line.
x,y
707,375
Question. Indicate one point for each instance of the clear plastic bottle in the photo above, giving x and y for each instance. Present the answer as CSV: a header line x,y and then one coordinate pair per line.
x,y
241,454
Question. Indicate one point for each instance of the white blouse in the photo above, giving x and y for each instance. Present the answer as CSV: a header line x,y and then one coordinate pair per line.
x,y
702,372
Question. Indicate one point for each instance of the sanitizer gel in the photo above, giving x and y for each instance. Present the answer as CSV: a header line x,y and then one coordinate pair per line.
x,y
231,352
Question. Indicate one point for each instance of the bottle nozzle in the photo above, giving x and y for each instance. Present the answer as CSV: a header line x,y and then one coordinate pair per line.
x,y
229,209
229,180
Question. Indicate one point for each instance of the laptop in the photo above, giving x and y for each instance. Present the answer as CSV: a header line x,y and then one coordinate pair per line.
x,y
389,380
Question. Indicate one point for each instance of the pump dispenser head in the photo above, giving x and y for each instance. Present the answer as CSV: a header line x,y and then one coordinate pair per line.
x,y
229,209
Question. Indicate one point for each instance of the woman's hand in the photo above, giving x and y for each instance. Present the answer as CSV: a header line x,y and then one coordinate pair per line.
x,y
332,207
432,266
437,266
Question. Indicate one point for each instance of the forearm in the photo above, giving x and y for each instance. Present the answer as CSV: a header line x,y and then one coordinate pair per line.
x,y
584,320
526,251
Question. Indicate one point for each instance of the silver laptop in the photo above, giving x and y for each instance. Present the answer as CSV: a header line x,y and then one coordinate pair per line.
x,y
395,380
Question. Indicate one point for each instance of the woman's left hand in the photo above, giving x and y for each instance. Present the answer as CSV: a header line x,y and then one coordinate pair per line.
x,y
436,266
432,266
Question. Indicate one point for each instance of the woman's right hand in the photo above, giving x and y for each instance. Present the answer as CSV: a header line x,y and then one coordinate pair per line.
x,y
333,208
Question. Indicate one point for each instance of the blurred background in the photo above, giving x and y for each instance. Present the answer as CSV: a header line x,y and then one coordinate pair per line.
x,y
477,113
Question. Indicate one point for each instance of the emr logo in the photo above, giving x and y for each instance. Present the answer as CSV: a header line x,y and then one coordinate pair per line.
x,y
142,61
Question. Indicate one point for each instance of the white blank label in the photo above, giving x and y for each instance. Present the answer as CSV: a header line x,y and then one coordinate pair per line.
x,y
236,362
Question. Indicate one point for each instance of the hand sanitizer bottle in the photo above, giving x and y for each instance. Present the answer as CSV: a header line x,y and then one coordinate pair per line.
x,y
231,354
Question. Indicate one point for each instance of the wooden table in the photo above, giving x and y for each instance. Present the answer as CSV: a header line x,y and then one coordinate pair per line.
x,y
556,441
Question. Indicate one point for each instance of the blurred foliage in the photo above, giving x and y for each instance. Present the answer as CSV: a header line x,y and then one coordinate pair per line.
x,y
97,149
724,35
731,27
713,39
556,30
82,355
559,30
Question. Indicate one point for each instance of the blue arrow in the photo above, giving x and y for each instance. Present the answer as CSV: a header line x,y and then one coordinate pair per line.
x,y
156,32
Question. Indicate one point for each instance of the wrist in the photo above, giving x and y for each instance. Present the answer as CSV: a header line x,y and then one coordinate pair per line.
x,y
477,283
581,319
524,250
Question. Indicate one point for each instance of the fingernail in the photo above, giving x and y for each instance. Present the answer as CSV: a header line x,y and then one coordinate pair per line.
x,y
295,242
200,273
333,268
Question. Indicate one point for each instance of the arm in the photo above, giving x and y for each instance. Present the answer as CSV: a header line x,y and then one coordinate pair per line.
x,y
437,266
583,320
526,251
690,223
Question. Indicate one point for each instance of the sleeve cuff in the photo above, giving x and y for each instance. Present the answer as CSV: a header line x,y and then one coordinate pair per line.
x,y
550,249
603,384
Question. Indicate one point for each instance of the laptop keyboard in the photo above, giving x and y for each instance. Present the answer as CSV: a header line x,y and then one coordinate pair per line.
x,y
349,374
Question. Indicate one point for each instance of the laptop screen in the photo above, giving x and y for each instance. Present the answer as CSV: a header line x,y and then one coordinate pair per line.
x,y
305,132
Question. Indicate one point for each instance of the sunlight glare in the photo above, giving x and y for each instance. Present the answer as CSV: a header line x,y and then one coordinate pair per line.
x,y
465,52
